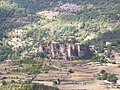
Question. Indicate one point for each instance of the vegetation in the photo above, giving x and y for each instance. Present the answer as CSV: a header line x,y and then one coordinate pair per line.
x,y
96,19
24,24
30,66
26,86
70,71
100,58
112,78
103,75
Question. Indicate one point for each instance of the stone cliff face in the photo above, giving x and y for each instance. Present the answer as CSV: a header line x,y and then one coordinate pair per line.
x,y
67,51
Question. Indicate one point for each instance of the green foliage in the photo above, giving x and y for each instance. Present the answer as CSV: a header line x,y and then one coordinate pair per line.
x,y
69,17
104,76
24,86
92,18
82,26
28,81
107,76
34,69
70,71
55,82
101,59
5,52
12,81
4,82
111,35
112,78
113,62
42,87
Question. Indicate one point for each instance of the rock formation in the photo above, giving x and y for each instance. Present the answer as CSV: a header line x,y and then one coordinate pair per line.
x,y
66,51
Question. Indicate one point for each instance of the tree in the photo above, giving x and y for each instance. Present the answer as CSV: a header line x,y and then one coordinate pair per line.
x,y
28,81
101,46
70,71
104,76
102,59
112,78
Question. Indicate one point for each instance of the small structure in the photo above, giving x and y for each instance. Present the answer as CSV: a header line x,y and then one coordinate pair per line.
x,y
108,43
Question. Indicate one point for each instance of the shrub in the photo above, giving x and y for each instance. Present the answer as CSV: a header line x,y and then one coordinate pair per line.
x,y
113,62
28,81
104,76
4,82
102,71
12,81
70,71
112,78
98,76
55,82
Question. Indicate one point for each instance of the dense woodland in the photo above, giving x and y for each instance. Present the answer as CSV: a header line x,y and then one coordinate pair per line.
x,y
99,18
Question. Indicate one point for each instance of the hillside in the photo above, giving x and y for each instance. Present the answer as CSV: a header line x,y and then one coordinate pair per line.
x,y
24,24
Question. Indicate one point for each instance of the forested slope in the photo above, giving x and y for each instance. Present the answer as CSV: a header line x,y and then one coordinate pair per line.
x,y
26,23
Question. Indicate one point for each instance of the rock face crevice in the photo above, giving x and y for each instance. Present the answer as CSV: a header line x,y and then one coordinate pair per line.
x,y
66,51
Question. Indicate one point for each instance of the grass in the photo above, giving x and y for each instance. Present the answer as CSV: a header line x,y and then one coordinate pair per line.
x,y
59,24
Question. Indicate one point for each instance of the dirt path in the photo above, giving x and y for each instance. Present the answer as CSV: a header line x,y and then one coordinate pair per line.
x,y
92,86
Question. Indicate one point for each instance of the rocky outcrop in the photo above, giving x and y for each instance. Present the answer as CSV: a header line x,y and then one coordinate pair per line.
x,y
68,50
64,51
